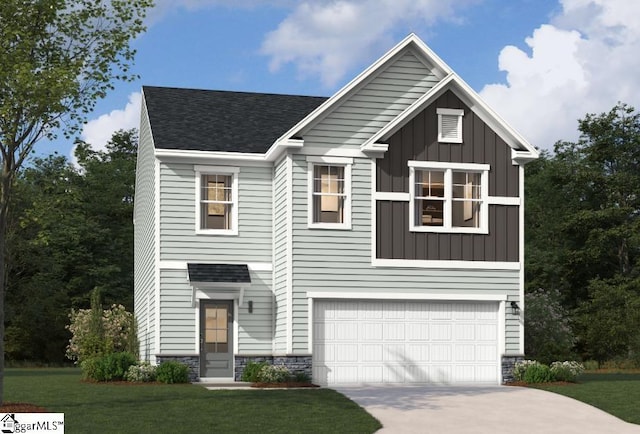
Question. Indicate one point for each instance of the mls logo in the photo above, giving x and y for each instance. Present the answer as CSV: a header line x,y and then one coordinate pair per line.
x,y
8,423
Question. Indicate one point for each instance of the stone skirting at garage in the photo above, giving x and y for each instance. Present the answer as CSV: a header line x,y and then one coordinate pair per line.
x,y
192,361
295,364
508,364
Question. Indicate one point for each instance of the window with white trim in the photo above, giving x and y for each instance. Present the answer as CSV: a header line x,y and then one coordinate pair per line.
x,y
450,125
448,197
216,200
330,192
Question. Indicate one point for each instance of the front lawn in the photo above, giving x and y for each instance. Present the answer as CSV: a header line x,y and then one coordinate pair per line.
x,y
617,394
120,408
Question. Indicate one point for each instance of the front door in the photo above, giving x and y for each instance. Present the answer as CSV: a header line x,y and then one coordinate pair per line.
x,y
216,338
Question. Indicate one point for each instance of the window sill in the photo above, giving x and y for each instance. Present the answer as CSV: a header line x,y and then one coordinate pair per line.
x,y
445,230
217,232
324,226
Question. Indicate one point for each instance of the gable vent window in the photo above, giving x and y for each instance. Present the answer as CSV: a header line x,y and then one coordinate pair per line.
x,y
450,125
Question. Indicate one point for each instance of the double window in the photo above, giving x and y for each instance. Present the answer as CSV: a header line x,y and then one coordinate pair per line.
x,y
217,200
329,192
448,197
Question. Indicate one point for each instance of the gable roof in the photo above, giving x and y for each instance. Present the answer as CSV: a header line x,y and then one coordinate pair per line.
x,y
208,120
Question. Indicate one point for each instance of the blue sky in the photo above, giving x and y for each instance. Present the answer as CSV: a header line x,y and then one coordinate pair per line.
x,y
541,64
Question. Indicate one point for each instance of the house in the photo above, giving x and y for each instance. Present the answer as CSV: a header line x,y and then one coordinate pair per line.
x,y
375,236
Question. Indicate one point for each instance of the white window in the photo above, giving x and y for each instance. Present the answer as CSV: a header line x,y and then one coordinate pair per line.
x,y
329,192
216,200
450,125
448,197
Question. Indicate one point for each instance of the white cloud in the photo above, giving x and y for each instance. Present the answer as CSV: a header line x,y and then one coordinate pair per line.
x,y
98,132
326,38
584,61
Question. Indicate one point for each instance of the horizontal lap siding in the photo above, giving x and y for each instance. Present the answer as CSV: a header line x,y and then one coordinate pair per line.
x,y
144,233
178,212
372,106
178,315
332,260
280,258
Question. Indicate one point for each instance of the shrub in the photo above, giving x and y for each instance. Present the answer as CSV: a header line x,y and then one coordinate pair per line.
x,y
273,374
521,367
108,367
171,372
141,373
591,365
96,331
538,373
302,377
250,373
566,371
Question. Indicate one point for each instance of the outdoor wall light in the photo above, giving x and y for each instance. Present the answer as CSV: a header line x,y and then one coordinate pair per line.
x,y
250,306
515,309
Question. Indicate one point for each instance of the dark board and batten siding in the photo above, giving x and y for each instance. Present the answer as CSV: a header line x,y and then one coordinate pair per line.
x,y
417,140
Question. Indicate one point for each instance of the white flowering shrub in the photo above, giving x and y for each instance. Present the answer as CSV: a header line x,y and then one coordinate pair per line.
x,y
96,332
521,367
566,371
143,372
273,374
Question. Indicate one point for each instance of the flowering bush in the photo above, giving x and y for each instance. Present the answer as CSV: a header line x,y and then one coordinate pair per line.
x,y
96,332
143,372
566,371
273,374
521,367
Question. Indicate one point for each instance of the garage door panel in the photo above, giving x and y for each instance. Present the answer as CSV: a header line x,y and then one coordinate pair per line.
x,y
405,342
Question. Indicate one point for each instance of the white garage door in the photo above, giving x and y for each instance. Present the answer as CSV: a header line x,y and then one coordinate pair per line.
x,y
405,342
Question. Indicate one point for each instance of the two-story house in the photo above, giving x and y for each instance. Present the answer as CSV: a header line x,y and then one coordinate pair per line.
x,y
375,236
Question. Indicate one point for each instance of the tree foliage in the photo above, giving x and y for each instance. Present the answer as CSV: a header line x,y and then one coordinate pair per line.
x,y
583,230
72,231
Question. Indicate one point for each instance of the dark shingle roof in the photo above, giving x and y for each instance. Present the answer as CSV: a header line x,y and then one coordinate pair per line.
x,y
219,273
208,120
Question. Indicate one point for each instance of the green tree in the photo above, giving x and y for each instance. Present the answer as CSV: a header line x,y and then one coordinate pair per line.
x,y
73,232
57,58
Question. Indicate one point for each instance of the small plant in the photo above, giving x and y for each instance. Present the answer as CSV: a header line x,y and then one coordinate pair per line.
x,y
143,372
172,372
566,371
273,374
302,377
538,373
109,367
250,373
521,367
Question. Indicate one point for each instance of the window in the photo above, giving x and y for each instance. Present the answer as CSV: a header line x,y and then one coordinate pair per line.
x,y
450,125
329,192
217,200
448,197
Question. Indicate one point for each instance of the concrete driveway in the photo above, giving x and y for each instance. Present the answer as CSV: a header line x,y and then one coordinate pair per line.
x,y
492,409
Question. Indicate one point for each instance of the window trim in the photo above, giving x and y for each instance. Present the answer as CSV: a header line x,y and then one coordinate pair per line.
x,y
345,162
442,112
448,168
217,170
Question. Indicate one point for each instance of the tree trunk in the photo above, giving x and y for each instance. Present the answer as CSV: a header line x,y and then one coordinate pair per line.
x,y
4,215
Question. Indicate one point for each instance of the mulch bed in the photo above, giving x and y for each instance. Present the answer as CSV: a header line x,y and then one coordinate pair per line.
x,y
535,385
21,407
287,385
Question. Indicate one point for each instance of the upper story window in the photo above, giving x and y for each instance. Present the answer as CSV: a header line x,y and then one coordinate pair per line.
x,y
216,200
329,192
448,197
450,125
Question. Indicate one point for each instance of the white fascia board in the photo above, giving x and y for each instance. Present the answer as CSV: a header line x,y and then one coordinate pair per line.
x,y
392,295
440,70
418,105
182,155
446,264
182,265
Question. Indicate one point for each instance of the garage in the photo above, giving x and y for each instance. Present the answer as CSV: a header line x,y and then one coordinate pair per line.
x,y
381,341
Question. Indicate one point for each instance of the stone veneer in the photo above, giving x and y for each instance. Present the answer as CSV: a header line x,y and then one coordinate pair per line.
x,y
192,361
293,363
508,363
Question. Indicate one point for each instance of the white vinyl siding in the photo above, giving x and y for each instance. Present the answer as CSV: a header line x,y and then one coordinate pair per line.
x,y
372,106
178,213
341,261
384,341
145,247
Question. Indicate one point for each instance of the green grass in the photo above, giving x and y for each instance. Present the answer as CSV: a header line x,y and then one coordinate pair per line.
x,y
616,393
185,408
